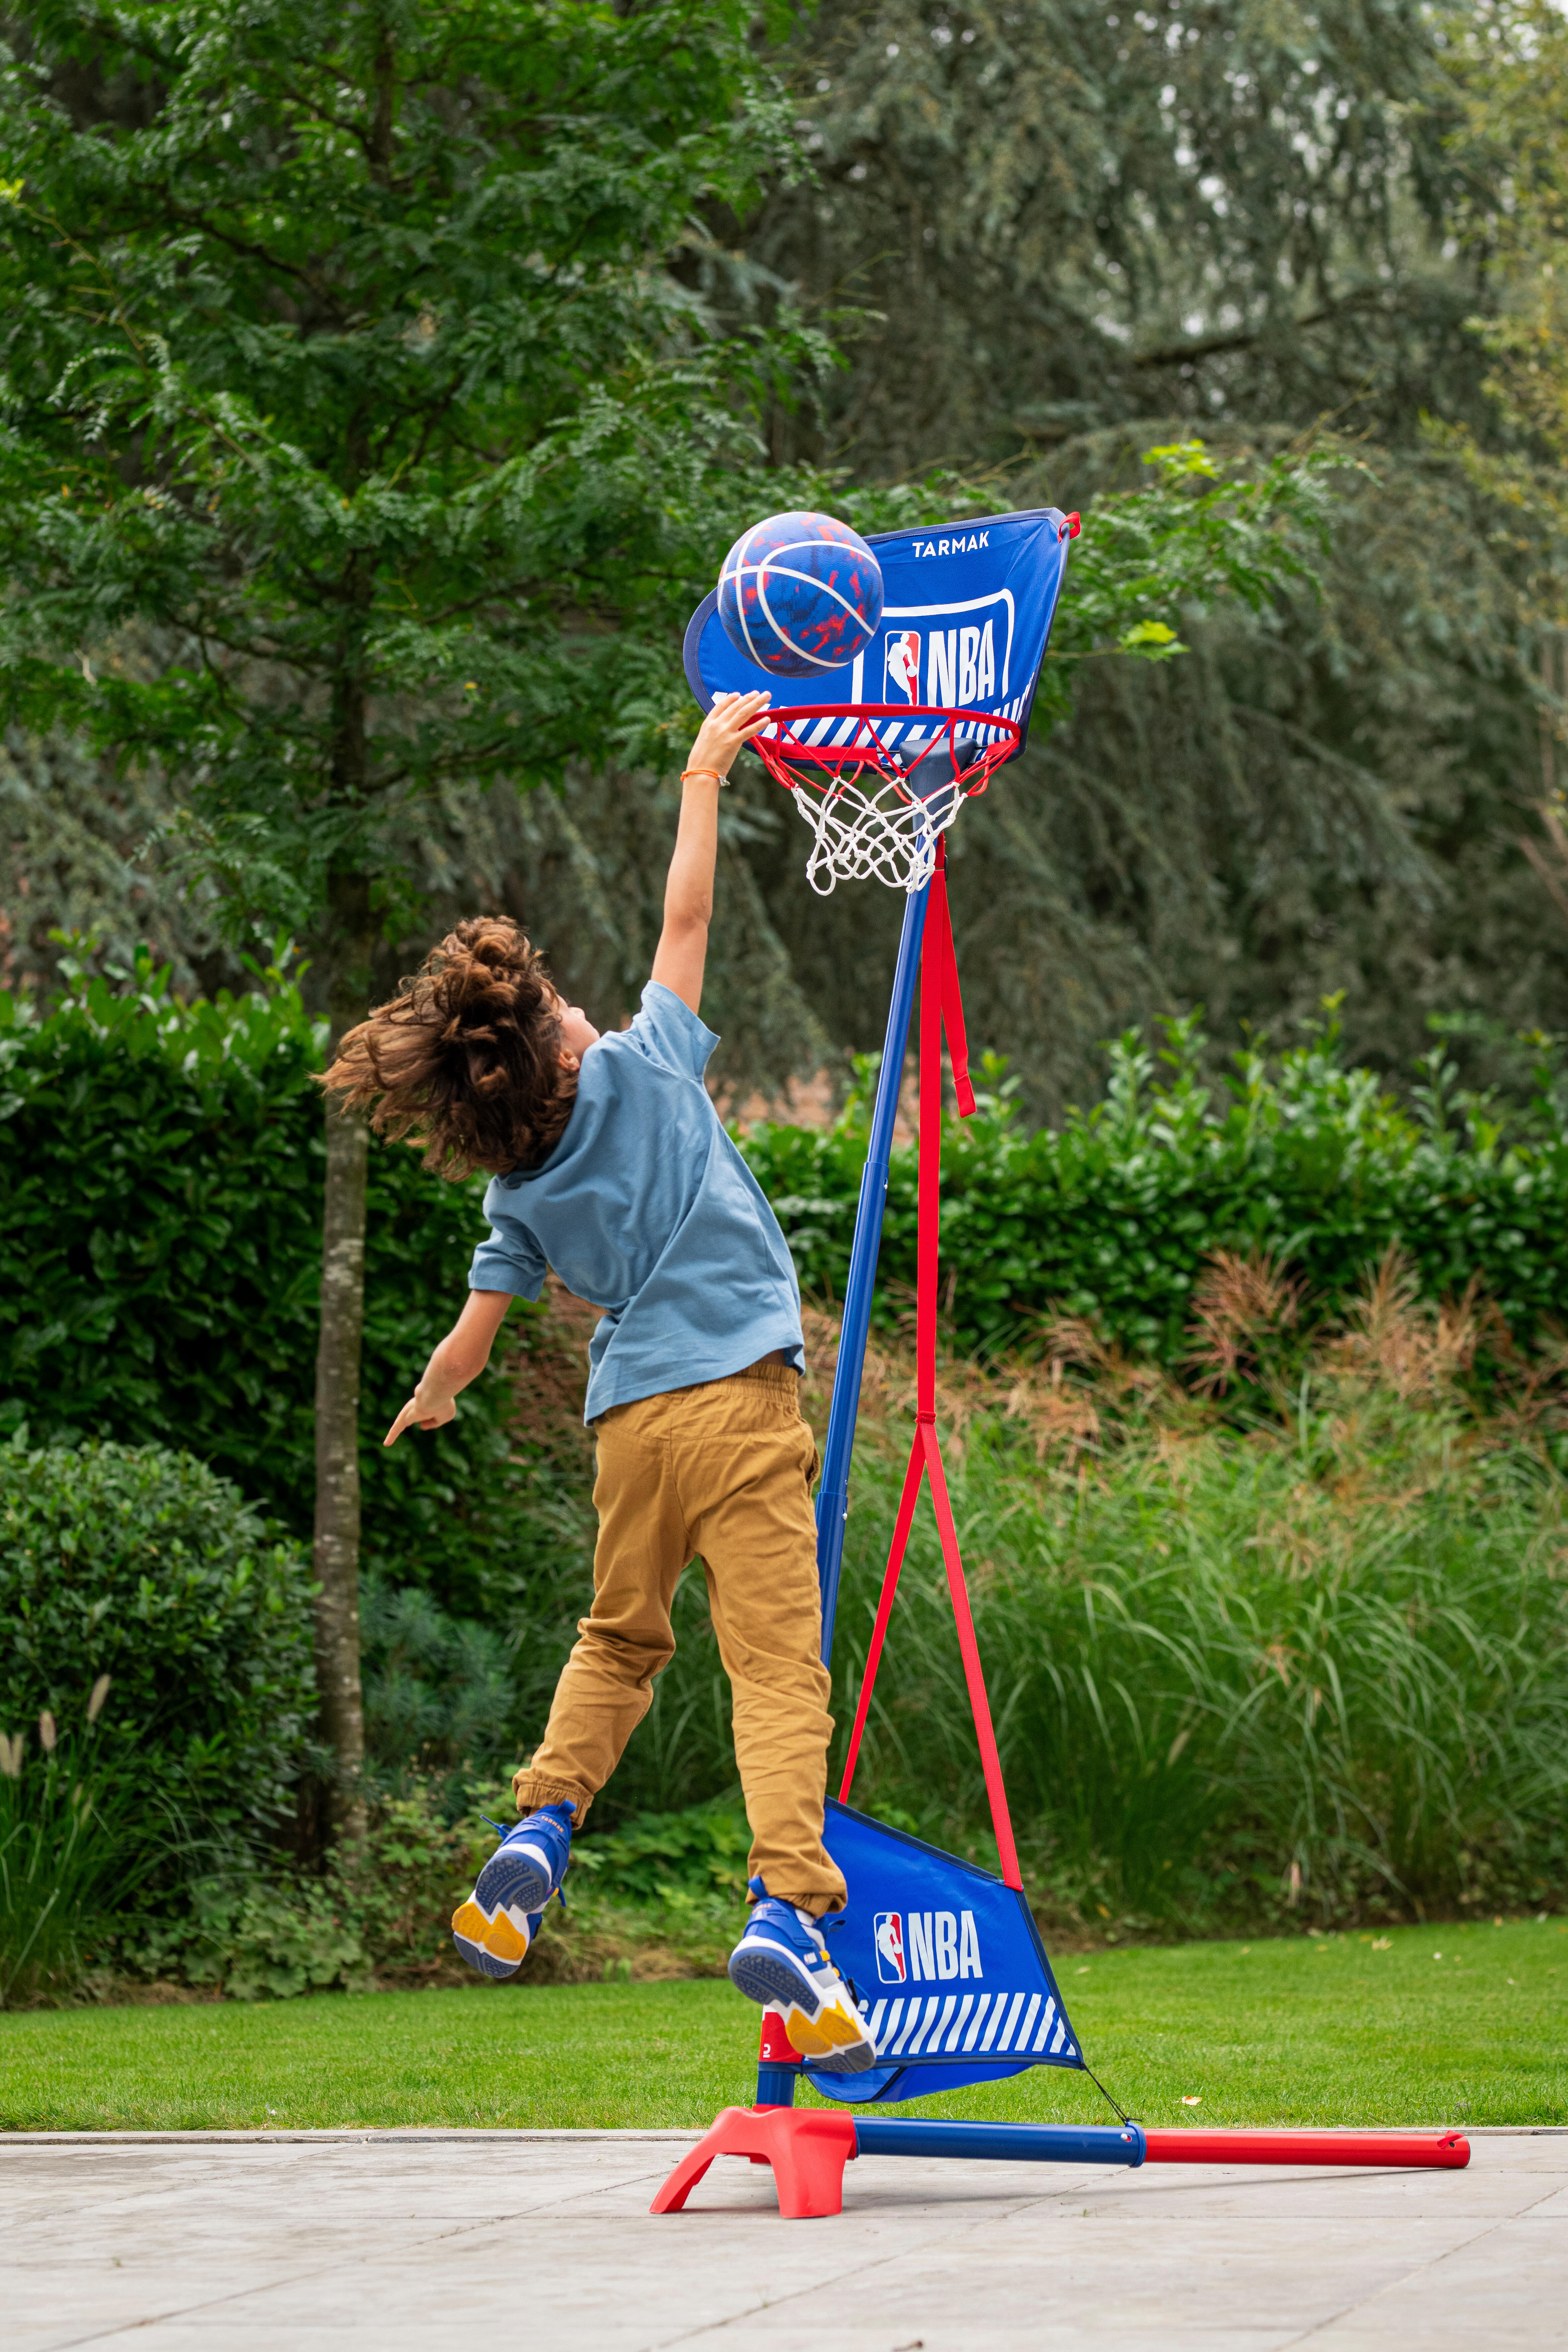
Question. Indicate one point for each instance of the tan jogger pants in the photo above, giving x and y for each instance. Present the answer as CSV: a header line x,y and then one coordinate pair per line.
x,y
722,1472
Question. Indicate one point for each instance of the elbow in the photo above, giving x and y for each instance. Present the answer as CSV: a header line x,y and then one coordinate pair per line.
x,y
456,1362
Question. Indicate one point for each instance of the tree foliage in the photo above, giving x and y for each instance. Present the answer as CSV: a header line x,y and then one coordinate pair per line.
x,y
1509,62
1056,217
1321,796
335,353
368,437
1103,231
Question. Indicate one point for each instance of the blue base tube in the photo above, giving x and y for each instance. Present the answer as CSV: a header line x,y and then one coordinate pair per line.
x,y
833,1495
1017,2143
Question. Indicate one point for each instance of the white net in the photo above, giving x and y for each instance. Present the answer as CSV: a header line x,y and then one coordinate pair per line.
x,y
879,790
872,828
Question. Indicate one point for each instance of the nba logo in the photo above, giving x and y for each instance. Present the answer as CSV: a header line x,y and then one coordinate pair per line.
x,y
902,675
889,1930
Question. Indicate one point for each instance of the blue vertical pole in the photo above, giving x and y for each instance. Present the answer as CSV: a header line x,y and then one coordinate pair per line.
x,y
776,2083
833,1495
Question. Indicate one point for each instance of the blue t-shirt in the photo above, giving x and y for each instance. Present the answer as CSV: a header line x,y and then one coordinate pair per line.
x,y
646,1207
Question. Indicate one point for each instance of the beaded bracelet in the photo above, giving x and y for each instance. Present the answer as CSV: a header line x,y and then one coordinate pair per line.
x,y
719,780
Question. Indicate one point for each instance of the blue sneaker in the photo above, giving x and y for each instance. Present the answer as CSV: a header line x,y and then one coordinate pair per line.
x,y
782,1963
495,1926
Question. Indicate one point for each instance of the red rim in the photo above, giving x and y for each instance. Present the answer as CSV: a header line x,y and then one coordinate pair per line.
x,y
783,754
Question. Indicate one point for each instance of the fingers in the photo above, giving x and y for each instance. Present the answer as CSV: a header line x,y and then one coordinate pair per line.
x,y
750,719
413,1412
736,718
409,1412
742,710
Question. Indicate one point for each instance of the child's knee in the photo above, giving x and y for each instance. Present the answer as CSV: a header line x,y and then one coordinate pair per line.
x,y
626,1655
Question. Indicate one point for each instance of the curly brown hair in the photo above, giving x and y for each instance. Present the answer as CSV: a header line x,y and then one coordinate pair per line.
x,y
466,1056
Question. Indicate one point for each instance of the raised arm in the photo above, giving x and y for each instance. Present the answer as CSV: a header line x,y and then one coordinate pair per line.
x,y
689,890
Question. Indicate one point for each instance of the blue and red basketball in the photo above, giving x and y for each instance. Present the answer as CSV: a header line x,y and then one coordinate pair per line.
x,y
800,595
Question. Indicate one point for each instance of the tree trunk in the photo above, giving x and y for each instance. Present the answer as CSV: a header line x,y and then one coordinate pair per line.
x,y
352,933
336,1550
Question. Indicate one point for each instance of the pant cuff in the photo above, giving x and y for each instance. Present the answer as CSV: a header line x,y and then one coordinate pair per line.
x,y
816,1904
535,1789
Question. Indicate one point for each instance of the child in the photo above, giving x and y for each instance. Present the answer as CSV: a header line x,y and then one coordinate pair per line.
x,y
608,1163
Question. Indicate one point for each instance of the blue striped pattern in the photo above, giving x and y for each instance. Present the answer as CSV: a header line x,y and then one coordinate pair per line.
x,y
1008,2024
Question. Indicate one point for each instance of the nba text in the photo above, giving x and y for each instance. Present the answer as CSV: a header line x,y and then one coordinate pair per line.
x,y
915,1947
960,667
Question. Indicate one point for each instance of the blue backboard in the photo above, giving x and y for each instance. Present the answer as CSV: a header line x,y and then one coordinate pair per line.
x,y
967,614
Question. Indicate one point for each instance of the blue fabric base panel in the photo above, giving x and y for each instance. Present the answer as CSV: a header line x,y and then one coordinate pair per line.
x,y
947,1965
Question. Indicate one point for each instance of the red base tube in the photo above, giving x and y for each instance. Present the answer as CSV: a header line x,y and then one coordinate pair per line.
x,y
1451,2151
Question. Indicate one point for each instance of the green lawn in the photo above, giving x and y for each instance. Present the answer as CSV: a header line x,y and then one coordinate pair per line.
x,y
1330,2031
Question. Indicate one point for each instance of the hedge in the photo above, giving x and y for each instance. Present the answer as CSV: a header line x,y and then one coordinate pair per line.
x,y
161,1172
1112,1217
160,1197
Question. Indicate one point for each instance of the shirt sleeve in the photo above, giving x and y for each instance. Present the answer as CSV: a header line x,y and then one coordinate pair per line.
x,y
512,1260
666,1030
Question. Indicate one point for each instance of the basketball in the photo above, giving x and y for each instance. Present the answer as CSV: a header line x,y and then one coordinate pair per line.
x,y
800,595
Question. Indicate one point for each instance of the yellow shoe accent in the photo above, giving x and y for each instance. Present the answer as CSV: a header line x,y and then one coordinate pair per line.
x,y
502,1937
829,2030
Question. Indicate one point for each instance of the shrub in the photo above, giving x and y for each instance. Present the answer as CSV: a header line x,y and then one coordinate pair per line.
x,y
439,1693
255,1939
660,1897
384,1910
452,1704
694,1855
143,1565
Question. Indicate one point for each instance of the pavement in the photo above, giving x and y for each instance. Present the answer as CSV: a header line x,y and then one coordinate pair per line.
x,y
238,2242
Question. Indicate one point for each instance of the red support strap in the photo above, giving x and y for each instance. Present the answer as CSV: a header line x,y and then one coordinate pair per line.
x,y
979,1704
941,1006
951,1003
912,1477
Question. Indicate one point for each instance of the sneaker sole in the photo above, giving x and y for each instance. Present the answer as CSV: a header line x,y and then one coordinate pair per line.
x,y
497,1947
822,2033
477,1957
853,2057
516,1878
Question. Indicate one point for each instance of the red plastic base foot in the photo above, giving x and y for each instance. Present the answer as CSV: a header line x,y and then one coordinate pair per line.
x,y
1449,2150
807,2149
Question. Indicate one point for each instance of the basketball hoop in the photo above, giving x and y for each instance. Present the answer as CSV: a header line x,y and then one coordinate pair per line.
x,y
951,644
880,782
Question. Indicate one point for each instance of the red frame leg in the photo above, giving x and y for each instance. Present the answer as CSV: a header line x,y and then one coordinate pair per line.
x,y
808,2150
1443,2151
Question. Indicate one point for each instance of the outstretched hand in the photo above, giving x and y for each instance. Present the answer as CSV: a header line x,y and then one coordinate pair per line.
x,y
460,1357
732,722
427,1413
